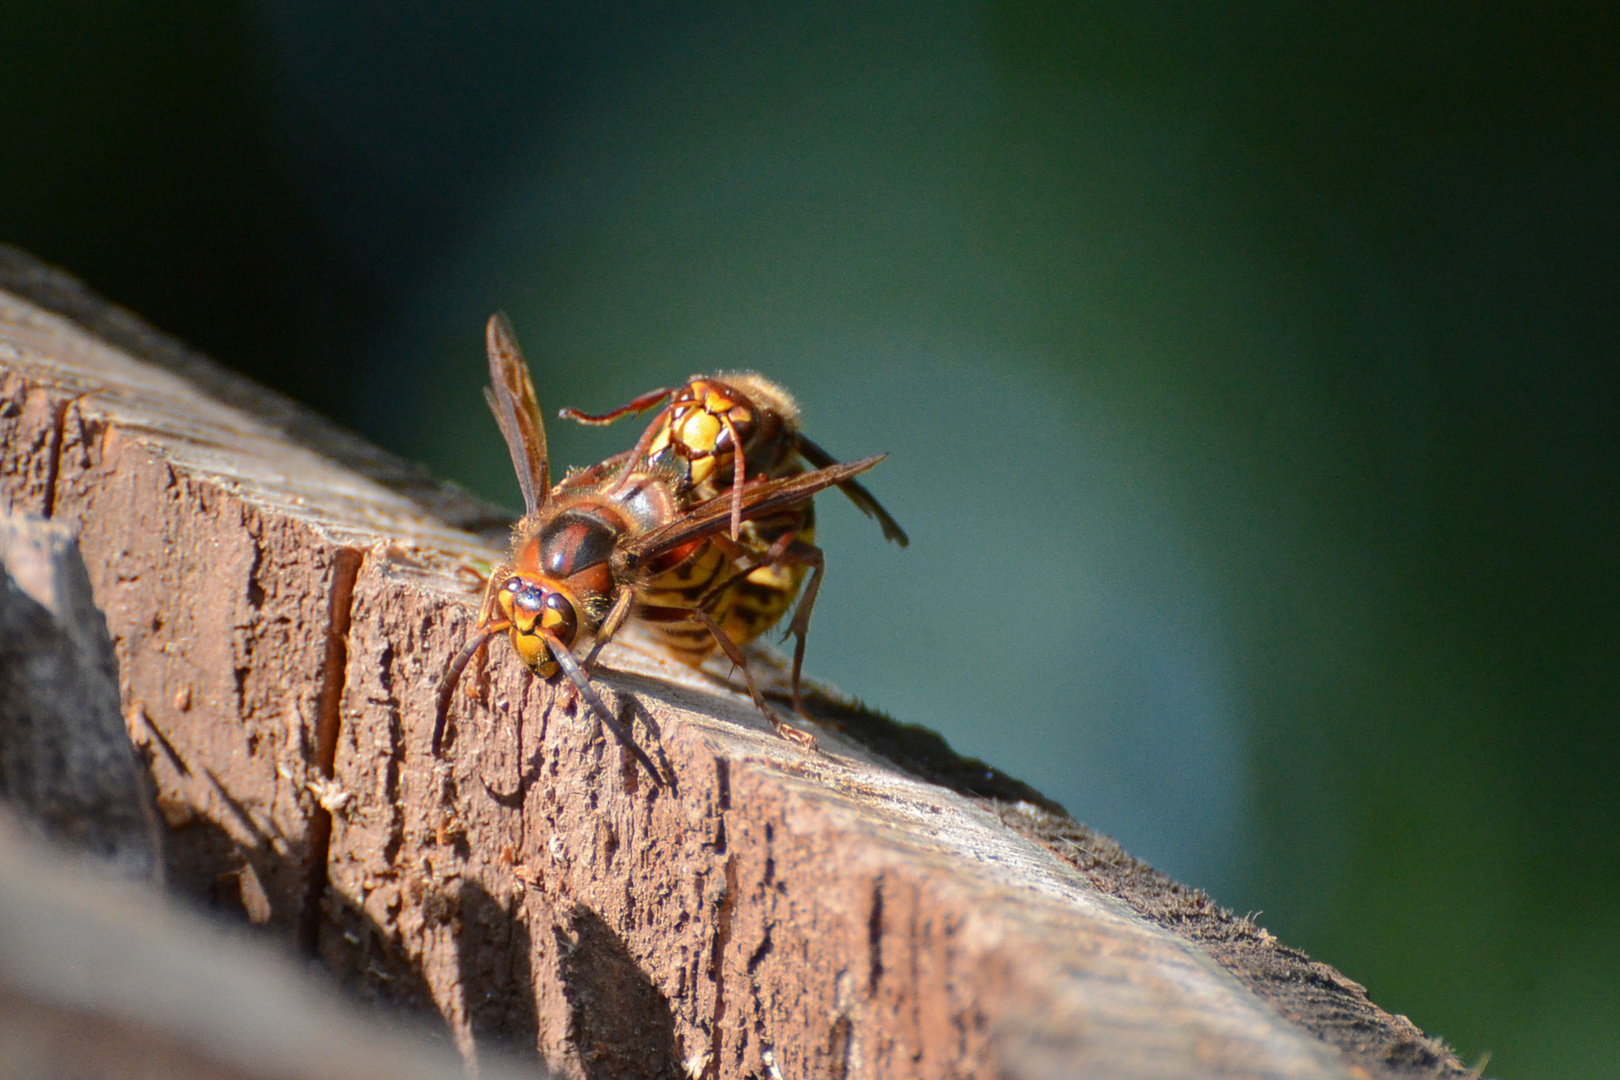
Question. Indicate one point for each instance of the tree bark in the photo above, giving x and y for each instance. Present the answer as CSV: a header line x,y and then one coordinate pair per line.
x,y
283,598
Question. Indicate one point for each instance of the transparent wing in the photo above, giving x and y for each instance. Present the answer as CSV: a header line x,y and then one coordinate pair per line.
x,y
858,495
511,398
759,500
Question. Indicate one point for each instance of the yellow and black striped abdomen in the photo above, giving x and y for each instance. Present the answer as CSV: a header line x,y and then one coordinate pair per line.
x,y
744,610
757,602
665,604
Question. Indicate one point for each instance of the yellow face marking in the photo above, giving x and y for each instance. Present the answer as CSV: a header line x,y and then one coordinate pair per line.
x,y
702,469
699,430
716,402
551,618
741,416
532,648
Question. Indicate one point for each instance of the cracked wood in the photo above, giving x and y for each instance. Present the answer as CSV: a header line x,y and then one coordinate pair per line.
x,y
281,619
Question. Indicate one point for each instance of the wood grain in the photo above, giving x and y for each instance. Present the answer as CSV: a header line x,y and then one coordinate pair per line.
x,y
882,909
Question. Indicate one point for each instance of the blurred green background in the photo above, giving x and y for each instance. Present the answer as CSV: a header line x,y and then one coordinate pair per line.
x,y
1249,375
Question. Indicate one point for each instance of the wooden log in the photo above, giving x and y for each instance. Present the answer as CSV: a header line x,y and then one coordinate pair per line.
x,y
102,980
283,600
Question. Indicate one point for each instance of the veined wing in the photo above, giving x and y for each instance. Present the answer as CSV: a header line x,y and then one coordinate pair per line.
x,y
511,398
863,499
759,499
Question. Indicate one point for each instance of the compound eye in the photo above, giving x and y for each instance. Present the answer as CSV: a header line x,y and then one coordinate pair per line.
x,y
560,619
742,422
722,440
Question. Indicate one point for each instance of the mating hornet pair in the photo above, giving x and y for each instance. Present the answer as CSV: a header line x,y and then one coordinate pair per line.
x,y
703,533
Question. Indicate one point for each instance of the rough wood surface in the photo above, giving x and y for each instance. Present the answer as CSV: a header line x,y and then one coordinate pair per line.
x,y
100,979
282,609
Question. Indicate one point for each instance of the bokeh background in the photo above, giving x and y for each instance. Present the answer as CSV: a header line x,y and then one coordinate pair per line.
x,y
1250,375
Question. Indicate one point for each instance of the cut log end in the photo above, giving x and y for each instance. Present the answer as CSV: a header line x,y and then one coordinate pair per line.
x,y
283,605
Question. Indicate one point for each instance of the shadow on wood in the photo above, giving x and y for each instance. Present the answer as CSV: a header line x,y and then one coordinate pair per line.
x,y
65,758
882,908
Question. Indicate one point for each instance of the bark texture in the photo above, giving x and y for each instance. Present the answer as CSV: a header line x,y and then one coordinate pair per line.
x,y
283,598
102,980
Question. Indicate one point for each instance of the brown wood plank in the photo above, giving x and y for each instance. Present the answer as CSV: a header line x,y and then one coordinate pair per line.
x,y
772,913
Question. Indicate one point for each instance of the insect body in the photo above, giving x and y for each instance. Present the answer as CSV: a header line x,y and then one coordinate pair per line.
x,y
586,550
730,427
719,433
